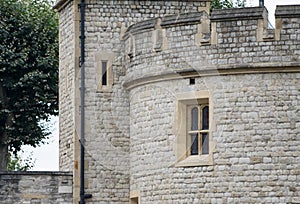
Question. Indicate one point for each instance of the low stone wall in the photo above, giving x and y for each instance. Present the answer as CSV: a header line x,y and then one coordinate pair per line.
x,y
36,188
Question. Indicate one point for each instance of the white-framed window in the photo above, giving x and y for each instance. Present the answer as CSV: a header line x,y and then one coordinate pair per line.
x,y
193,123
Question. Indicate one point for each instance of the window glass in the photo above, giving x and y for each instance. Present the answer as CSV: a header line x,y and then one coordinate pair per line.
x,y
194,144
205,118
194,119
104,72
205,143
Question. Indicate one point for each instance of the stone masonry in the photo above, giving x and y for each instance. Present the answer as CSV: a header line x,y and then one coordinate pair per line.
x,y
154,50
36,188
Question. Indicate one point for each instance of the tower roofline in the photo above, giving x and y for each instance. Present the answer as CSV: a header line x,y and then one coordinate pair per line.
x,y
61,3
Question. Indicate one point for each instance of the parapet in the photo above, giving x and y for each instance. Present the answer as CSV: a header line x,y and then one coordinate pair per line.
x,y
287,11
228,39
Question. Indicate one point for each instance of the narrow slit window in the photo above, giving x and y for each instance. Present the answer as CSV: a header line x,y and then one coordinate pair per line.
x,y
104,73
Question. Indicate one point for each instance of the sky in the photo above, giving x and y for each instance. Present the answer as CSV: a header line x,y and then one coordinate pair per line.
x,y
46,156
271,6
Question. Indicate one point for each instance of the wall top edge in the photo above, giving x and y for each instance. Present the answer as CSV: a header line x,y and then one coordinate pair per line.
x,y
183,18
287,11
31,173
239,13
167,21
59,3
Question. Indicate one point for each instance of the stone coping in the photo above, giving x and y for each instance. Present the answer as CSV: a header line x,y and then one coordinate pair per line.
x,y
32,173
183,18
287,11
239,13
166,21
59,4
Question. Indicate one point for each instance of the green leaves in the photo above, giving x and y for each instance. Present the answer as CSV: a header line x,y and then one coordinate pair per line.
x,y
222,4
15,163
28,70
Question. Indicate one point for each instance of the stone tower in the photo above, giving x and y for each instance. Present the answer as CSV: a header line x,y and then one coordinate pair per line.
x,y
181,106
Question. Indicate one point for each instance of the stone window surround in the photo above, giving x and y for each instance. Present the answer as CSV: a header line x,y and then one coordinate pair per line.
x,y
100,57
135,197
184,100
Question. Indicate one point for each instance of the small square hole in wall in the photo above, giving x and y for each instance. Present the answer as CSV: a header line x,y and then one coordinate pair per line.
x,y
192,81
134,200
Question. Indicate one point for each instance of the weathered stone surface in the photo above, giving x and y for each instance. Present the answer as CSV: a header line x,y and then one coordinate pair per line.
x,y
36,187
251,73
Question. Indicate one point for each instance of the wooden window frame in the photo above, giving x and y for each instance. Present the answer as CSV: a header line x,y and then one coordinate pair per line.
x,y
200,130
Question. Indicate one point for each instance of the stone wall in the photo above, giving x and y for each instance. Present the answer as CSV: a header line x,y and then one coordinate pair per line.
x,y
36,188
255,101
239,44
107,112
257,128
252,76
67,77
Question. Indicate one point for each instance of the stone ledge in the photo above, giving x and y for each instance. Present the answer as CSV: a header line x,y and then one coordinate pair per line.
x,y
143,25
184,18
237,69
50,173
167,21
239,14
287,11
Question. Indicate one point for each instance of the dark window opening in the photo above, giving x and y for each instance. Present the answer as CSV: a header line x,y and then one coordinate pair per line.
x,y
192,81
134,200
104,72
205,118
194,146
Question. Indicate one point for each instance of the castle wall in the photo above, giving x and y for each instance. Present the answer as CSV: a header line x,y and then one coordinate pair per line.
x,y
240,43
36,187
250,72
67,76
256,136
253,81
106,108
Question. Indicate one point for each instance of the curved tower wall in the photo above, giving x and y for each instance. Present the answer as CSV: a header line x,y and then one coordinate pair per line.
x,y
107,139
251,77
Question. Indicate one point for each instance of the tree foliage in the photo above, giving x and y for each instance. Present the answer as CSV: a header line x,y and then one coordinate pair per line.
x,y
28,72
222,4
16,163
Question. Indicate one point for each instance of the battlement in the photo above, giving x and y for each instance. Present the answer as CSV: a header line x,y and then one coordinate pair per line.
x,y
227,39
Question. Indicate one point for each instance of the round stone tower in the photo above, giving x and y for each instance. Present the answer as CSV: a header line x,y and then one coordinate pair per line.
x,y
182,105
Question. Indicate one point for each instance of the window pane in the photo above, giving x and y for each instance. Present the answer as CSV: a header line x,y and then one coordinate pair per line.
x,y
194,144
104,72
194,118
205,118
205,144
